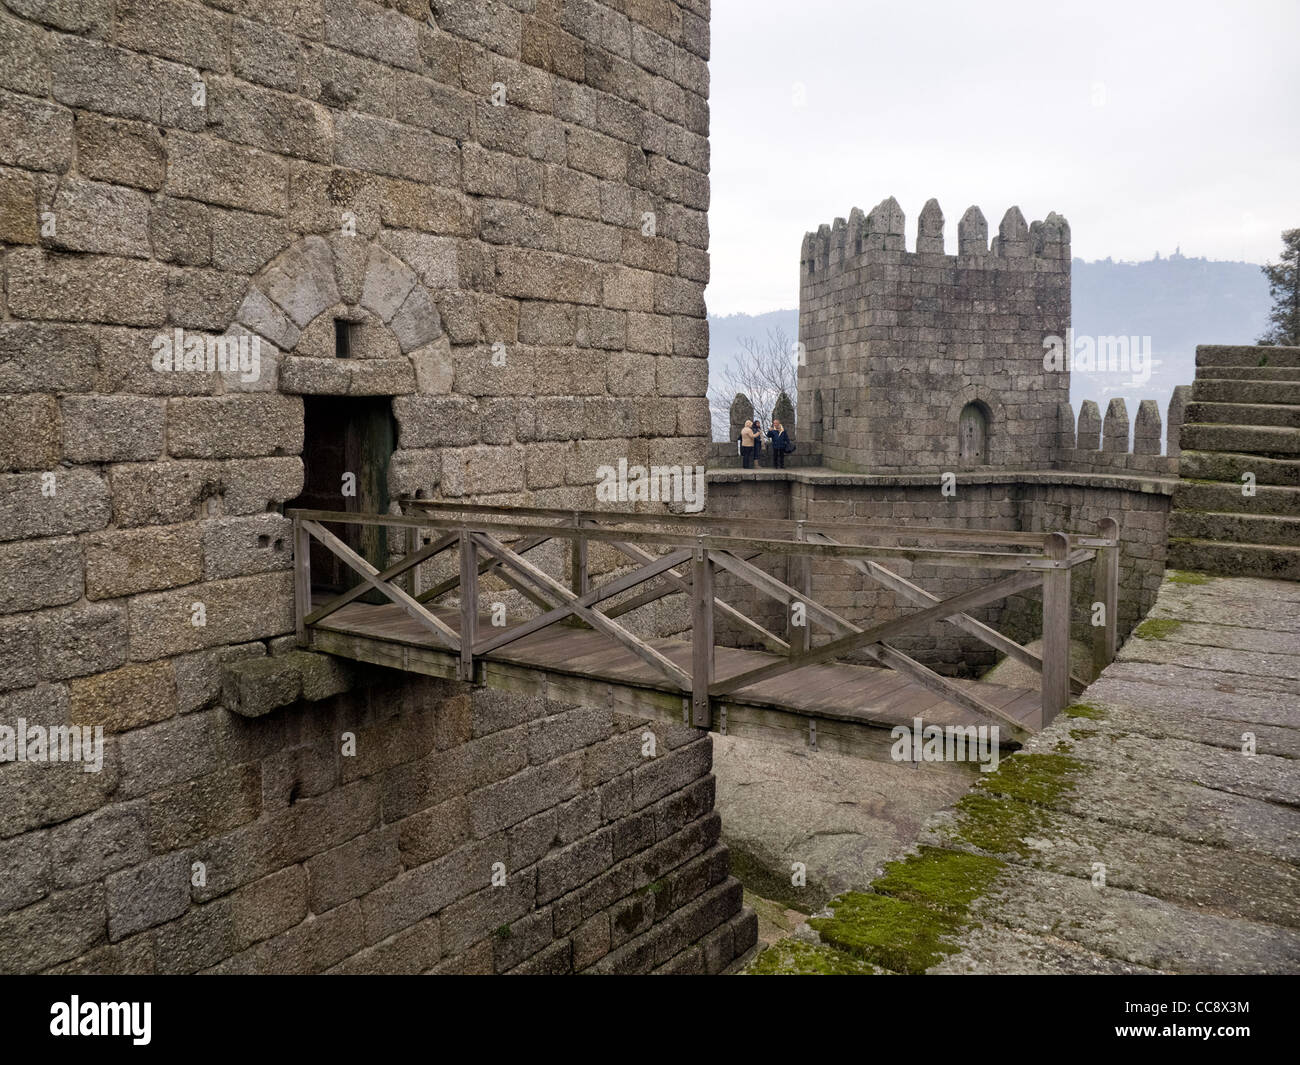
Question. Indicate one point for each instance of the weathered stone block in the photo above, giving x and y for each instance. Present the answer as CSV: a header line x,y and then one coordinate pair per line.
x,y
59,927
480,470
270,120
529,274
82,639
169,753
436,421
301,280
91,847
234,611
103,219
373,31
29,433
503,804
352,870
237,547
214,171
264,54
194,810
150,894
47,358
39,573
27,67
174,30
379,146
181,232
112,428
86,288
204,299
226,426
124,562
245,242
163,493
34,134
269,906
125,698
18,221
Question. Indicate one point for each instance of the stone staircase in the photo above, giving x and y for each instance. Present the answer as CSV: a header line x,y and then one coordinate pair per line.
x,y
1244,417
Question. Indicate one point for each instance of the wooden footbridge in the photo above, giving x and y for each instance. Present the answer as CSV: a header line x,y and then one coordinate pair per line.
x,y
424,613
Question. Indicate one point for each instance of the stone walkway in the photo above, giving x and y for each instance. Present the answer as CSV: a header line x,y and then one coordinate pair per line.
x,y
1133,835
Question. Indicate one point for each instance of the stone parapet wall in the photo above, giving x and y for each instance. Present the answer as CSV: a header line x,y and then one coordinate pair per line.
x,y
1043,501
1109,444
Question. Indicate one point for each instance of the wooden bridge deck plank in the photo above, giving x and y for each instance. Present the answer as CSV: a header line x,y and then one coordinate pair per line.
x,y
867,695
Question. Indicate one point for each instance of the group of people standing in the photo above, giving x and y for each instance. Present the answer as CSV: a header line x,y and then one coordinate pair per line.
x,y
751,443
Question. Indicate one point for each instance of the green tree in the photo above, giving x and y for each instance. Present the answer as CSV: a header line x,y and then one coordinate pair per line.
x,y
1284,287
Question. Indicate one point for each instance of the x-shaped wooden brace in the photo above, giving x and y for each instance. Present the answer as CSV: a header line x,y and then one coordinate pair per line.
x,y
869,641
568,602
441,631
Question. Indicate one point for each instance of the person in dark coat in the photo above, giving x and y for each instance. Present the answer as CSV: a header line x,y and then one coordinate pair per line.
x,y
758,441
780,442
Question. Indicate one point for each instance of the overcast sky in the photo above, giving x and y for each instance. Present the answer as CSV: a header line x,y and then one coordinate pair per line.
x,y
1148,124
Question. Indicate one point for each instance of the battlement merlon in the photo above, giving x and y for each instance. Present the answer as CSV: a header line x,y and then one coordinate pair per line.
x,y
863,236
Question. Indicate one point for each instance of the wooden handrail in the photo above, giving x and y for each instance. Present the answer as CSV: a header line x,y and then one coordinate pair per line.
x,y
694,522
1010,560
1035,559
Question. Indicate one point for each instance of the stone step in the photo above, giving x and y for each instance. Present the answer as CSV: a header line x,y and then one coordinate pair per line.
x,y
1227,498
1228,466
1235,528
1276,561
1243,414
1220,390
1242,439
1246,355
1250,373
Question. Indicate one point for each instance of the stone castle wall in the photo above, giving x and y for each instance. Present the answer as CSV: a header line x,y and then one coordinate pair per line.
x,y
897,343
522,284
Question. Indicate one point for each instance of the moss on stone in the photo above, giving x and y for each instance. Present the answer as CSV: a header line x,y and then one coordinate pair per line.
x,y
999,826
1093,713
1039,778
1182,577
1157,628
1083,733
792,957
910,920
913,913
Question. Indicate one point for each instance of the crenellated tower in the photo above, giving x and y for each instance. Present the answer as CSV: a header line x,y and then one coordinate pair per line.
x,y
924,360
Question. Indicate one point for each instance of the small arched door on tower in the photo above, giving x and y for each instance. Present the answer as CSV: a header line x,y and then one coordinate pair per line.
x,y
973,434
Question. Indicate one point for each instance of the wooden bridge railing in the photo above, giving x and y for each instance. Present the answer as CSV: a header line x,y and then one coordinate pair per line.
x,y
686,551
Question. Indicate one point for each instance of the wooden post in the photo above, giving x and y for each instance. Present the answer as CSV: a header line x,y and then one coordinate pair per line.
x,y
581,576
301,579
800,637
468,603
412,546
1105,590
1056,628
701,637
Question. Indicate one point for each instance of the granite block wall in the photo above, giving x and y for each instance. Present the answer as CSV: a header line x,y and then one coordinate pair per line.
x,y
490,216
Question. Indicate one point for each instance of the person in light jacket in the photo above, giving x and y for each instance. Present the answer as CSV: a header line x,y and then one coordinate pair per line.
x,y
780,442
747,445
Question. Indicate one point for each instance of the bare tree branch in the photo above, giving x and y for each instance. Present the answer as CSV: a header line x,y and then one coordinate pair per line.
x,y
762,370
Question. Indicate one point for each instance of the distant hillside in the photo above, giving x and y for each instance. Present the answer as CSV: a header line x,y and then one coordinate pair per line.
x,y
1176,301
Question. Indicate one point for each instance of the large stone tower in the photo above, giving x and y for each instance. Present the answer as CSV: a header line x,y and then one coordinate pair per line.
x,y
922,360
